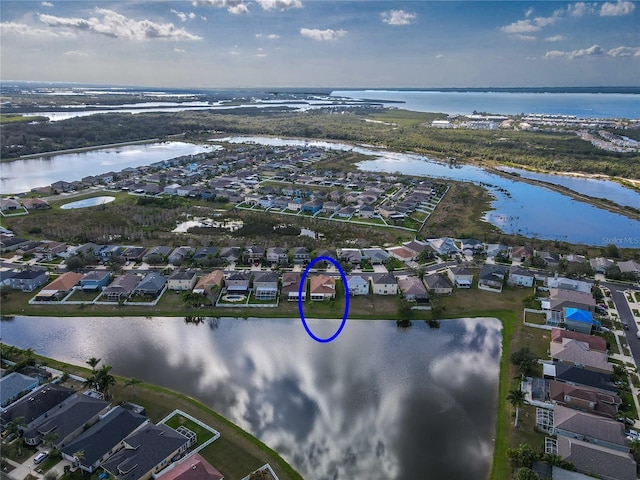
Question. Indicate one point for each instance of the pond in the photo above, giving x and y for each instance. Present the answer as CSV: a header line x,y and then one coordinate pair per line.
x,y
88,202
378,402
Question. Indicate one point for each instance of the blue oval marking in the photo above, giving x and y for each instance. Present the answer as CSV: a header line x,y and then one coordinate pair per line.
x,y
303,284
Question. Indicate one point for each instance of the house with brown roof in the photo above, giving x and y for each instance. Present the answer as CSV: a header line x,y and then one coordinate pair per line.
x,y
60,287
595,343
194,467
578,353
413,289
291,286
521,253
208,282
438,283
584,399
322,287
402,253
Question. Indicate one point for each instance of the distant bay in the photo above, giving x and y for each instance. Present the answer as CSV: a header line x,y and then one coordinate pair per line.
x,y
583,105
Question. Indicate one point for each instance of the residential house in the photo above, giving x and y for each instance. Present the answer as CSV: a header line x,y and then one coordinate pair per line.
x,y
496,250
121,287
471,246
35,204
573,375
413,289
209,282
265,202
417,247
325,253
351,255
28,280
67,422
294,205
438,283
181,280
630,266
95,280
291,286
33,409
238,282
586,427
558,335
491,278
358,285
192,468
277,255
376,256
205,253
254,253
312,206
461,277
60,287
403,254
133,254
551,260
559,300
151,285
9,204
520,277
301,255
103,438
179,255
593,459
584,399
14,385
580,320
231,254
322,287
345,212
444,246
265,285
563,283
366,211
147,452
384,284
521,253
577,353
158,252
600,264
61,186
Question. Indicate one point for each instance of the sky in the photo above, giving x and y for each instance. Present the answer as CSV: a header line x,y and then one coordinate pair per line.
x,y
322,43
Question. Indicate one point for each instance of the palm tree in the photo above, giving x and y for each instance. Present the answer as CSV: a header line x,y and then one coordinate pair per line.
x,y
104,380
133,382
78,457
516,398
50,438
93,363
14,427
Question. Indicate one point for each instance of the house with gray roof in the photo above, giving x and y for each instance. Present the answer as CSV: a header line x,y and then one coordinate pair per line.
x,y
384,284
104,437
231,254
160,252
413,289
147,452
95,279
121,287
14,385
28,280
238,282
520,277
376,256
32,408
491,277
438,283
597,460
181,280
461,277
586,427
151,285
265,285
133,254
444,246
179,255
277,255
69,421
301,255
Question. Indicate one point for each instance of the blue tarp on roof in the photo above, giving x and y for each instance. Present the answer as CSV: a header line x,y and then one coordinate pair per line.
x,y
578,315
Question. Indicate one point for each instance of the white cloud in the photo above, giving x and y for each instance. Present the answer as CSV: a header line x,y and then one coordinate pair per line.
x,y
528,12
595,51
527,38
398,17
322,35
239,9
530,25
624,52
621,7
183,16
47,4
279,4
179,50
236,7
261,53
554,38
440,56
79,53
580,9
115,25
24,29
270,36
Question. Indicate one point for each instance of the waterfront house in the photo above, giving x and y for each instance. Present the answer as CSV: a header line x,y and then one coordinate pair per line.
x,y
413,289
575,352
596,460
584,399
265,285
151,285
358,285
491,278
195,467
558,335
586,427
121,287
461,277
438,283
28,280
34,408
520,277
291,286
238,282
60,287
209,282
14,385
181,280
322,287
384,284
580,320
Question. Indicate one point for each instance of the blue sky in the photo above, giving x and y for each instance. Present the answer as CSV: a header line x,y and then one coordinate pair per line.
x,y
322,43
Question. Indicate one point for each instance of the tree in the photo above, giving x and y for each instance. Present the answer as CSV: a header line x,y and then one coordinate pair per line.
x,y
75,263
50,439
104,380
556,460
93,363
526,474
525,360
132,382
516,399
523,456
611,251
78,457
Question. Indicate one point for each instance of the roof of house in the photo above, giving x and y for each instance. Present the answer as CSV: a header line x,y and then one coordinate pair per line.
x,y
523,272
276,251
203,252
182,275
36,404
492,273
570,373
69,418
629,266
521,251
402,252
239,276
595,459
300,251
14,384
152,282
228,252
571,295
125,283
604,403
436,281
416,246
322,284
356,279
65,282
29,274
158,250
213,278
412,286
461,271
268,277
291,282
95,275
149,447
578,315
591,426
105,434
383,279
193,468
595,343
577,352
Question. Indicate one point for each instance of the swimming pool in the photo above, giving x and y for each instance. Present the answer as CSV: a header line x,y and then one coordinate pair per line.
x,y
88,202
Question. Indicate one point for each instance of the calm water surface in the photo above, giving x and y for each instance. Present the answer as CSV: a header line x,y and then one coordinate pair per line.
x,y
377,403
23,175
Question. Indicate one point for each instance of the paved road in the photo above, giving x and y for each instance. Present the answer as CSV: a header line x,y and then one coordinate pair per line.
x,y
617,292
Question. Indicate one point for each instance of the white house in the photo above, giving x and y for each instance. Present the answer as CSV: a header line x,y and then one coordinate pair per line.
x,y
520,277
384,284
461,277
357,285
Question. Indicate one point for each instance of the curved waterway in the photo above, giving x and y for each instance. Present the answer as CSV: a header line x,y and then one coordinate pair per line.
x,y
518,207
378,402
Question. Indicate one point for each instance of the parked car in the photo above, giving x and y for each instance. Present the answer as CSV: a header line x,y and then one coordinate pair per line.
x,y
638,334
625,326
633,435
39,458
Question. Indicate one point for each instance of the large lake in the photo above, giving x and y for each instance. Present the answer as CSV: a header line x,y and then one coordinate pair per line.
x,y
584,105
377,403
529,210
22,175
